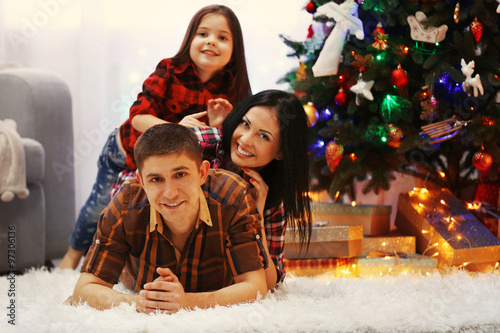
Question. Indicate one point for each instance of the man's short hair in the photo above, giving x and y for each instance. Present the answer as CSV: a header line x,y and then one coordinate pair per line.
x,y
165,139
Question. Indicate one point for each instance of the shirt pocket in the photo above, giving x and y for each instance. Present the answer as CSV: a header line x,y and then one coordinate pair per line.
x,y
179,99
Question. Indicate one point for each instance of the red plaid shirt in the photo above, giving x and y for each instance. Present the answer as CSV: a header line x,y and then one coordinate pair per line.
x,y
171,93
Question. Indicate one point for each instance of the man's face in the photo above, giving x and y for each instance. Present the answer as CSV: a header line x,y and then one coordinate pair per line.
x,y
172,183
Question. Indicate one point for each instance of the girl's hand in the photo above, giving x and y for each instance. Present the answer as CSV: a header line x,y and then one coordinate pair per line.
x,y
261,187
192,120
218,109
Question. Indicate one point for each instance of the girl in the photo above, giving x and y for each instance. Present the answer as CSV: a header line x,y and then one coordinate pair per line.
x,y
265,141
207,73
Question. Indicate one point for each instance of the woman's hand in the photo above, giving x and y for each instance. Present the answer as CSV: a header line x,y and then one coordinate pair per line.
x,y
261,187
192,120
218,109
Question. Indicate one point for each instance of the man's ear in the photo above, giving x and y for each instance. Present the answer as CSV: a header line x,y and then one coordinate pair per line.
x,y
204,167
139,178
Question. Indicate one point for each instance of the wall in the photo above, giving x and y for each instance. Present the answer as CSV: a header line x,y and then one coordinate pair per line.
x,y
104,49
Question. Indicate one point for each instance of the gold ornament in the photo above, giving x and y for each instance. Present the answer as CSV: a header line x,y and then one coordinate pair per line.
x,y
312,113
301,72
456,12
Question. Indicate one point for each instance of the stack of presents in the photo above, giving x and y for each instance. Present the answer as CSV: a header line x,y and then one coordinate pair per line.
x,y
433,231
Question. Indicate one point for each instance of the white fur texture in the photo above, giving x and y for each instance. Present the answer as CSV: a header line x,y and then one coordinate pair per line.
x,y
454,302
12,163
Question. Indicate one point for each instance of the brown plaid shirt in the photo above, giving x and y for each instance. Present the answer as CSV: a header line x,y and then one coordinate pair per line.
x,y
132,240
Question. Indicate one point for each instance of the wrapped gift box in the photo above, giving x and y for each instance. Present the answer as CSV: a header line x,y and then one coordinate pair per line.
x,y
326,242
368,266
364,266
487,214
444,228
312,267
394,242
375,219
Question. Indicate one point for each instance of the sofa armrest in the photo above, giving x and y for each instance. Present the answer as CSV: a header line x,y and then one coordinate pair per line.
x,y
35,160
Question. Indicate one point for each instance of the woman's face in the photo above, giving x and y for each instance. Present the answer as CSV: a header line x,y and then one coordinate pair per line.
x,y
256,141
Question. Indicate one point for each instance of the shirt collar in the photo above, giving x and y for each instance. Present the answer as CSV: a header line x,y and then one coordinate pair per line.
x,y
155,221
223,76
181,68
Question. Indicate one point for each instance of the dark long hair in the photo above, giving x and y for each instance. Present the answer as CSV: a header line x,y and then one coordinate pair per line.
x,y
288,178
237,65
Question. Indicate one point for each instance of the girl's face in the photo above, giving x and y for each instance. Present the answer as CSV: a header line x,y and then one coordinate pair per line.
x,y
212,46
256,141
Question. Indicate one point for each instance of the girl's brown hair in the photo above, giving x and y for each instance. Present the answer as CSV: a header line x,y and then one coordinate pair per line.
x,y
237,65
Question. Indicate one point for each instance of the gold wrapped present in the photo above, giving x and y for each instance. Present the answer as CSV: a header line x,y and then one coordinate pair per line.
x,y
488,214
444,228
376,220
312,267
326,242
378,264
393,242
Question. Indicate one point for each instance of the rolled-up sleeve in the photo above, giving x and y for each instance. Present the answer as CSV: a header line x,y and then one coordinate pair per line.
x,y
108,252
245,250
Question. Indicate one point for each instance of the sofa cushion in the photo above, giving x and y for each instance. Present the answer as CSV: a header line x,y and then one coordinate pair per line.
x,y
35,160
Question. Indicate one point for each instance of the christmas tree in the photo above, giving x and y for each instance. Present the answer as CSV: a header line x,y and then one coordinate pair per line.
x,y
400,86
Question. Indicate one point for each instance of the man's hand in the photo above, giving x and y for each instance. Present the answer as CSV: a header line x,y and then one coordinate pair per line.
x,y
193,120
218,109
165,293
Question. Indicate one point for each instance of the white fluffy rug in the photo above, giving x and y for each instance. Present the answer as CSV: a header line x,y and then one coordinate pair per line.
x,y
454,302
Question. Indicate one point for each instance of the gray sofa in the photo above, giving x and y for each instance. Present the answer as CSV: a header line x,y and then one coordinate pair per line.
x,y
40,103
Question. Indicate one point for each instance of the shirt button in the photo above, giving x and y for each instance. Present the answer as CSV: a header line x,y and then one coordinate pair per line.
x,y
97,242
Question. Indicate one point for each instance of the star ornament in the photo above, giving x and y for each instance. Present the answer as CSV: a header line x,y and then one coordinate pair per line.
x,y
362,89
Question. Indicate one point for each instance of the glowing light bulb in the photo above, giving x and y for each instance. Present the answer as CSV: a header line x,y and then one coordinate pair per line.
x,y
353,203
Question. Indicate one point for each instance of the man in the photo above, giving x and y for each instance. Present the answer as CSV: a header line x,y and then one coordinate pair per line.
x,y
185,234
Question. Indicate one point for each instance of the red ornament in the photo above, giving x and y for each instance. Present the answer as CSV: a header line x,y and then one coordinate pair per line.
x,y
476,28
334,154
395,135
311,7
482,160
341,97
399,77
310,31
